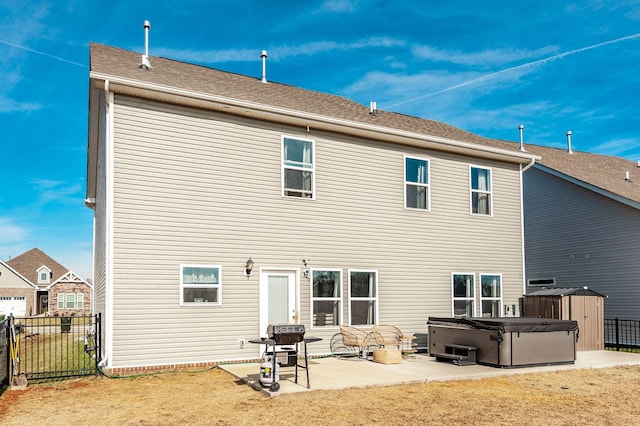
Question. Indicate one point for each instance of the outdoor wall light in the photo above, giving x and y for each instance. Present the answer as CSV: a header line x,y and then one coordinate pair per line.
x,y
248,267
305,261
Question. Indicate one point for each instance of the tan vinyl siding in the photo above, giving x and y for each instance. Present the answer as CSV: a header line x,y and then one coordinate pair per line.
x,y
8,279
196,187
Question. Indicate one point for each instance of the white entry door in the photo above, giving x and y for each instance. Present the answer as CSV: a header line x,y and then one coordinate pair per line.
x,y
278,298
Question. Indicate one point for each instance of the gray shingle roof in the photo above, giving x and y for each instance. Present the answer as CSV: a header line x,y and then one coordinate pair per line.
x,y
167,72
602,171
567,291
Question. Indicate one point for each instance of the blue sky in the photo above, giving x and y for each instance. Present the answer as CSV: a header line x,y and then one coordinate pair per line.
x,y
484,66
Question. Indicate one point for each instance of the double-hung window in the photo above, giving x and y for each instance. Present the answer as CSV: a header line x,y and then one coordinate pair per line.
x,y
298,168
363,296
491,295
463,286
70,301
200,284
326,297
481,199
416,183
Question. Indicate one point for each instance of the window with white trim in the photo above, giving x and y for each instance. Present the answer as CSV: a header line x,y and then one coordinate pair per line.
x,y
363,297
70,301
480,184
298,168
491,295
44,275
326,297
463,291
416,183
200,284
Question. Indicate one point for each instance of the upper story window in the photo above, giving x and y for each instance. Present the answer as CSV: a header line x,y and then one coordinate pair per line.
x,y
416,182
200,284
481,199
298,168
44,275
363,295
491,295
463,286
326,306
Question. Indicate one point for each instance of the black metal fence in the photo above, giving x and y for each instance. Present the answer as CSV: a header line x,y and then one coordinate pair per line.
x,y
4,355
46,348
622,335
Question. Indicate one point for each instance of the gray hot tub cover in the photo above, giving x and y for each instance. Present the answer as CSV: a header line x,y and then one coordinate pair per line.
x,y
510,324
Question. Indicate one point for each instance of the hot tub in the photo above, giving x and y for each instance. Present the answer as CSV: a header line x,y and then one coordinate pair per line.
x,y
507,342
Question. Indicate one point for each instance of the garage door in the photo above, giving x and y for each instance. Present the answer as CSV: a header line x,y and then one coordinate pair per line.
x,y
16,305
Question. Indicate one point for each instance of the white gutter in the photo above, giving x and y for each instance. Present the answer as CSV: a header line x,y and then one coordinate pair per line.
x,y
531,163
300,118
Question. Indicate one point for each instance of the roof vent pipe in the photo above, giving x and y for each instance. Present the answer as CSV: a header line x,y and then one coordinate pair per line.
x,y
521,127
146,64
263,55
626,177
569,141
373,107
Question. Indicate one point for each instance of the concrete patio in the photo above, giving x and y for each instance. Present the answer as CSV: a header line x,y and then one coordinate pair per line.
x,y
342,373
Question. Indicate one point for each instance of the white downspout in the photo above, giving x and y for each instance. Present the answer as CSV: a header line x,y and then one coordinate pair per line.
x,y
528,166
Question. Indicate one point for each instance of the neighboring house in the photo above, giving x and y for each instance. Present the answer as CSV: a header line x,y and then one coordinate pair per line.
x,y
17,294
45,286
223,203
582,226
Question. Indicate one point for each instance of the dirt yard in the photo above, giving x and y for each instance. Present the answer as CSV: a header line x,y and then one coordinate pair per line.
x,y
213,397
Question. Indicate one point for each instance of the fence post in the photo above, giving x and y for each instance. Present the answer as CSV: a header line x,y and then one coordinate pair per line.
x,y
617,335
98,340
6,354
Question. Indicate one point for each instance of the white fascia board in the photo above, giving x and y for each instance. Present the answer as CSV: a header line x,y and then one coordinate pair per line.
x,y
515,156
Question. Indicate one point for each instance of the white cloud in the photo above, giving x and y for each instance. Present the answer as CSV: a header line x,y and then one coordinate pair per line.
x,y
485,57
394,89
10,232
623,147
338,6
22,22
9,105
276,53
57,191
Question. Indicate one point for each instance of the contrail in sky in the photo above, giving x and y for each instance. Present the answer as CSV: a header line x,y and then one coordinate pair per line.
x,y
57,58
517,67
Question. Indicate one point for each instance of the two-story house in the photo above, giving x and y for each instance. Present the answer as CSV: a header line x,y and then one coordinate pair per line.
x,y
582,226
224,203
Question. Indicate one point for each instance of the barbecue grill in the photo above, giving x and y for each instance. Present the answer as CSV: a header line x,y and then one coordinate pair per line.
x,y
282,335
286,334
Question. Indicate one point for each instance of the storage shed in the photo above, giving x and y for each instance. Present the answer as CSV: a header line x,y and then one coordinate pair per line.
x,y
574,303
